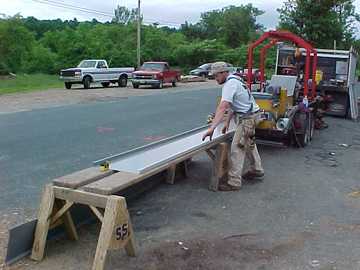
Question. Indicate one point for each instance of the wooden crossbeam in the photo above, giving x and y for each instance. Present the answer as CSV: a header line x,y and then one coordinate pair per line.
x,y
62,211
97,213
210,154
80,196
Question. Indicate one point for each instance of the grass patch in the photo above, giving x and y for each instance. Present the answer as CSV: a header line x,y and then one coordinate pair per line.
x,y
29,83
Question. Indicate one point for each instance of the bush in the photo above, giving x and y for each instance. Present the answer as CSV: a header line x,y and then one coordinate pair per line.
x,y
41,60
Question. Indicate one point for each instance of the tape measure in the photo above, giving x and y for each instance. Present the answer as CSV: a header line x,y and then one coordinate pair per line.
x,y
105,166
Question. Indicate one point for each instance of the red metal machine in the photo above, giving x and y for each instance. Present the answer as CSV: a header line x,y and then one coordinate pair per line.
x,y
274,37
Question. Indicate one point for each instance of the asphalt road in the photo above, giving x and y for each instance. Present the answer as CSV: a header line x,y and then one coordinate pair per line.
x,y
37,146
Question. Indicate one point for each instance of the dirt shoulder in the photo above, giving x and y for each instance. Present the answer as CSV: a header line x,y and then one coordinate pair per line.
x,y
11,103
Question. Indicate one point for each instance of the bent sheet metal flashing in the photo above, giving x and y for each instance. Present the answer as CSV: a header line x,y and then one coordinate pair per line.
x,y
143,159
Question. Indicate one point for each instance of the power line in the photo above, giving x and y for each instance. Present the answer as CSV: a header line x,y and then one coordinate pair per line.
x,y
97,12
74,8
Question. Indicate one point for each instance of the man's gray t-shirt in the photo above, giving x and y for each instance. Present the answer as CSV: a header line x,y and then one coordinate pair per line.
x,y
236,93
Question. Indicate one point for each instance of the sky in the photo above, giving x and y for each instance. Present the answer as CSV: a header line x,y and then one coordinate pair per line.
x,y
165,12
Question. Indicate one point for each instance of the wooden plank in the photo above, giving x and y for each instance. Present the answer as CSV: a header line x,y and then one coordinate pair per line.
x,y
170,174
121,180
43,223
113,183
81,178
115,230
80,196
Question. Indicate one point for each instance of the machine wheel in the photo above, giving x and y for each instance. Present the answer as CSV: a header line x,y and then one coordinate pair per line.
x,y
68,85
87,82
123,81
135,85
174,83
303,135
105,84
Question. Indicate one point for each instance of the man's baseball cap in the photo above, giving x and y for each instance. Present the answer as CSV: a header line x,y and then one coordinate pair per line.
x,y
218,67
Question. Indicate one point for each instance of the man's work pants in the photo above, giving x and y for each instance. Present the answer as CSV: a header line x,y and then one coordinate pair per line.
x,y
243,148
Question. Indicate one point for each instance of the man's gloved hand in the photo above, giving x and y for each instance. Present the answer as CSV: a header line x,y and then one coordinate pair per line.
x,y
209,133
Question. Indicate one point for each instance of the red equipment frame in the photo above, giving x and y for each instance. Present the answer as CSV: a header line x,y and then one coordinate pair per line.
x,y
274,37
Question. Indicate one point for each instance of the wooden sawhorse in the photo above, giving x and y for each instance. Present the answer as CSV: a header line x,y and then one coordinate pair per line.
x,y
95,189
116,230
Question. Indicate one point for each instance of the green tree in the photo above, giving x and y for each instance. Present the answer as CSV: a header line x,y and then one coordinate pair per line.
x,y
321,21
234,25
124,15
16,43
32,45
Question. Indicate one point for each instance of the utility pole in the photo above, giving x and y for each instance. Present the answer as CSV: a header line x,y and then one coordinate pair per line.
x,y
138,35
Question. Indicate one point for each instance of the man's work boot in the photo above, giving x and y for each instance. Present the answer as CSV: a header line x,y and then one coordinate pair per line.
x,y
227,187
252,175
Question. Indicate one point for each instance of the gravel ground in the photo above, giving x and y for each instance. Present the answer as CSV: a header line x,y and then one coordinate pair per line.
x,y
11,103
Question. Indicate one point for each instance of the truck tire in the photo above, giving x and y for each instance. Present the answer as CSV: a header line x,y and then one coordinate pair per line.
x,y
105,84
87,82
160,85
174,83
68,85
122,81
135,85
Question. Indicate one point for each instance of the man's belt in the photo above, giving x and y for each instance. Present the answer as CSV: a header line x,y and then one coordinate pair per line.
x,y
242,115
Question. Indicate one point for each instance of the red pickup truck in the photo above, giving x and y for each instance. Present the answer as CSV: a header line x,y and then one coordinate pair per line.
x,y
155,74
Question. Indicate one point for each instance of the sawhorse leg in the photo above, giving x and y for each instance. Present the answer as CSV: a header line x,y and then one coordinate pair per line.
x,y
51,214
43,223
220,164
171,171
116,231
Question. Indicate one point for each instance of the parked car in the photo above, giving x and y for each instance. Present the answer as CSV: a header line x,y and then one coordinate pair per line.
x,y
255,74
95,70
201,71
155,74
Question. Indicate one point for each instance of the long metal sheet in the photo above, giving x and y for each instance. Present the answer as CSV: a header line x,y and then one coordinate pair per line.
x,y
148,157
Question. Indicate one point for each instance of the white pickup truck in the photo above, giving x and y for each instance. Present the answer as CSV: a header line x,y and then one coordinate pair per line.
x,y
95,70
